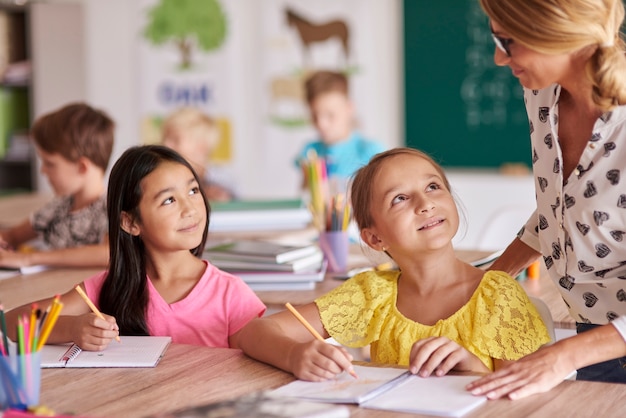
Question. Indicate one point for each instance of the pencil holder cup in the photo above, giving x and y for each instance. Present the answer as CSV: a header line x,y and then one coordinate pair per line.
x,y
20,380
334,245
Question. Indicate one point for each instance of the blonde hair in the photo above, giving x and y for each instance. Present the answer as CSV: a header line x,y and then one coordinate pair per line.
x,y
194,123
565,26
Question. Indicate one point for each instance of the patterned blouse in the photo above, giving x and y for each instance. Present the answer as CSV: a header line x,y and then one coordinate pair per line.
x,y
580,222
498,322
62,228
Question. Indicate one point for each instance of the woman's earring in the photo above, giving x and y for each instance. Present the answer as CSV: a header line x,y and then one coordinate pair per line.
x,y
384,249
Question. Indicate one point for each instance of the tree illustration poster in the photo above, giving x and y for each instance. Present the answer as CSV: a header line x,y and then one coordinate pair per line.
x,y
183,45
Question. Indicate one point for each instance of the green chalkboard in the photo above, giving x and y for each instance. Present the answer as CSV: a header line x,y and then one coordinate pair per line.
x,y
460,107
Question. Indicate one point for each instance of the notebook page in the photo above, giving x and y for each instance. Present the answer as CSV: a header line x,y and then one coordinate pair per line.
x,y
441,396
344,388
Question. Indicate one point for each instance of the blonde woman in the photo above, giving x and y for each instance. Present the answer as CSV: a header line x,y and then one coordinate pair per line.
x,y
569,57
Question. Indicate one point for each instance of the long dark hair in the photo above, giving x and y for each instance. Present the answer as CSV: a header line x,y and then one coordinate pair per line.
x,y
124,292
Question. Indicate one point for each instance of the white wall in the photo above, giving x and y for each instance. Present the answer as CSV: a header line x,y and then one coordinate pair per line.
x,y
111,74
106,75
496,206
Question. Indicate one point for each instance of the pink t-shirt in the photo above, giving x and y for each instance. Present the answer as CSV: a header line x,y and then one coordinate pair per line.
x,y
218,306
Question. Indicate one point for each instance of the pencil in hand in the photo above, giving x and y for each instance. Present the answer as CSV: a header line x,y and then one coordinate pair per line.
x,y
312,330
92,307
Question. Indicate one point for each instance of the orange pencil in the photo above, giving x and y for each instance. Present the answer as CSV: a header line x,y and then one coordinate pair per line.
x,y
311,329
92,306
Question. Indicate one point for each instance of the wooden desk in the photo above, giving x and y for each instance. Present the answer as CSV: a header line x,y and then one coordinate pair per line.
x,y
190,375
18,291
22,289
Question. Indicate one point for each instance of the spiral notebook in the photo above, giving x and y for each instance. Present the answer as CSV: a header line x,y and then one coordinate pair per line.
x,y
132,351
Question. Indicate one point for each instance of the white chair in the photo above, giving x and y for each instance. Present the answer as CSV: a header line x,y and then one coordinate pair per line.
x,y
546,316
502,227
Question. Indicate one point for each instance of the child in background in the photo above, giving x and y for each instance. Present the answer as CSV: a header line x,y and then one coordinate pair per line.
x,y
436,314
156,284
74,144
332,112
194,135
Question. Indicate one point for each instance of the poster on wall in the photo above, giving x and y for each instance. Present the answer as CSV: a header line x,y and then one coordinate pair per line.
x,y
301,37
244,63
183,53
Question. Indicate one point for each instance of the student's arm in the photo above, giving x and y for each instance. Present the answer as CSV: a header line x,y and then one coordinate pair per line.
x,y
282,341
547,367
515,258
85,256
76,323
19,234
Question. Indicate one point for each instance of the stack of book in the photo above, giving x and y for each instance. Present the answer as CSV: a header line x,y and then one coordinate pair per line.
x,y
259,215
266,265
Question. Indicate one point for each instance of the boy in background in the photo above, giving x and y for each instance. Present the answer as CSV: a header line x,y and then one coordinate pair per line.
x,y
332,113
194,135
74,144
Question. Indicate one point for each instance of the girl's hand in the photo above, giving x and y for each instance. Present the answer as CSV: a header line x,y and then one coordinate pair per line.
x,y
93,333
317,361
440,355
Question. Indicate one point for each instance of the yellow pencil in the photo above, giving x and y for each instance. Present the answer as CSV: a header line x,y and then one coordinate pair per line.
x,y
312,330
92,306
346,216
51,319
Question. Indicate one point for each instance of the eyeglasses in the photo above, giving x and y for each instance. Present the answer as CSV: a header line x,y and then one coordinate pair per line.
x,y
503,44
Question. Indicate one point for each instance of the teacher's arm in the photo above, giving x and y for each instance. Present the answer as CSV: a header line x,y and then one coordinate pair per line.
x,y
515,258
547,367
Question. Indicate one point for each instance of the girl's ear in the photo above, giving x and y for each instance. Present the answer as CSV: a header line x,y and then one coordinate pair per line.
x,y
129,225
371,239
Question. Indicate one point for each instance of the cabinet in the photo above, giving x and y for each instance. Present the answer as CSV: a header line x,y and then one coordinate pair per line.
x,y
16,150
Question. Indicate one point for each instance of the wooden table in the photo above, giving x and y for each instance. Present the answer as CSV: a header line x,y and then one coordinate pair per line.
x,y
191,375
17,291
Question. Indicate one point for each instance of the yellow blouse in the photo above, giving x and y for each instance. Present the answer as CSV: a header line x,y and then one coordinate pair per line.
x,y
498,322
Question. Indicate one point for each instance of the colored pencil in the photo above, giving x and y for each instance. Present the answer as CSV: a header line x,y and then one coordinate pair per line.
x,y
93,307
51,319
312,330
3,324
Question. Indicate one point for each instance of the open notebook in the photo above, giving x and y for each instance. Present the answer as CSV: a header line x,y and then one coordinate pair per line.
x,y
130,352
390,389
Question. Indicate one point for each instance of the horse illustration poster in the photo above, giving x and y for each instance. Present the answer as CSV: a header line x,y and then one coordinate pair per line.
x,y
300,38
182,48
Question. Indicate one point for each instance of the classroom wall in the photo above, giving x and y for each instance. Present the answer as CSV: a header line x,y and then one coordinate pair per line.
x,y
112,72
109,81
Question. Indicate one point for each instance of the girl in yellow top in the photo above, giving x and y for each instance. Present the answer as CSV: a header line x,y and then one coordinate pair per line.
x,y
436,314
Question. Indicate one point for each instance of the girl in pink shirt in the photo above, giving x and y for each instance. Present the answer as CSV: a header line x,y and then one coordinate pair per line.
x,y
156,284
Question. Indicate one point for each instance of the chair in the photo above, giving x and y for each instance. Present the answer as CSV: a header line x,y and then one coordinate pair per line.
x,y
546,316
502,227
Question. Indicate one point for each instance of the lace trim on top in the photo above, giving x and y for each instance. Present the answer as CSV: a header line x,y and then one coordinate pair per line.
x,y
498,322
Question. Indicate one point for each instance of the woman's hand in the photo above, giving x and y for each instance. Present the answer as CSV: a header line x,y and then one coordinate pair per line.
x,y
317,361
439,355
92,333
537,372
